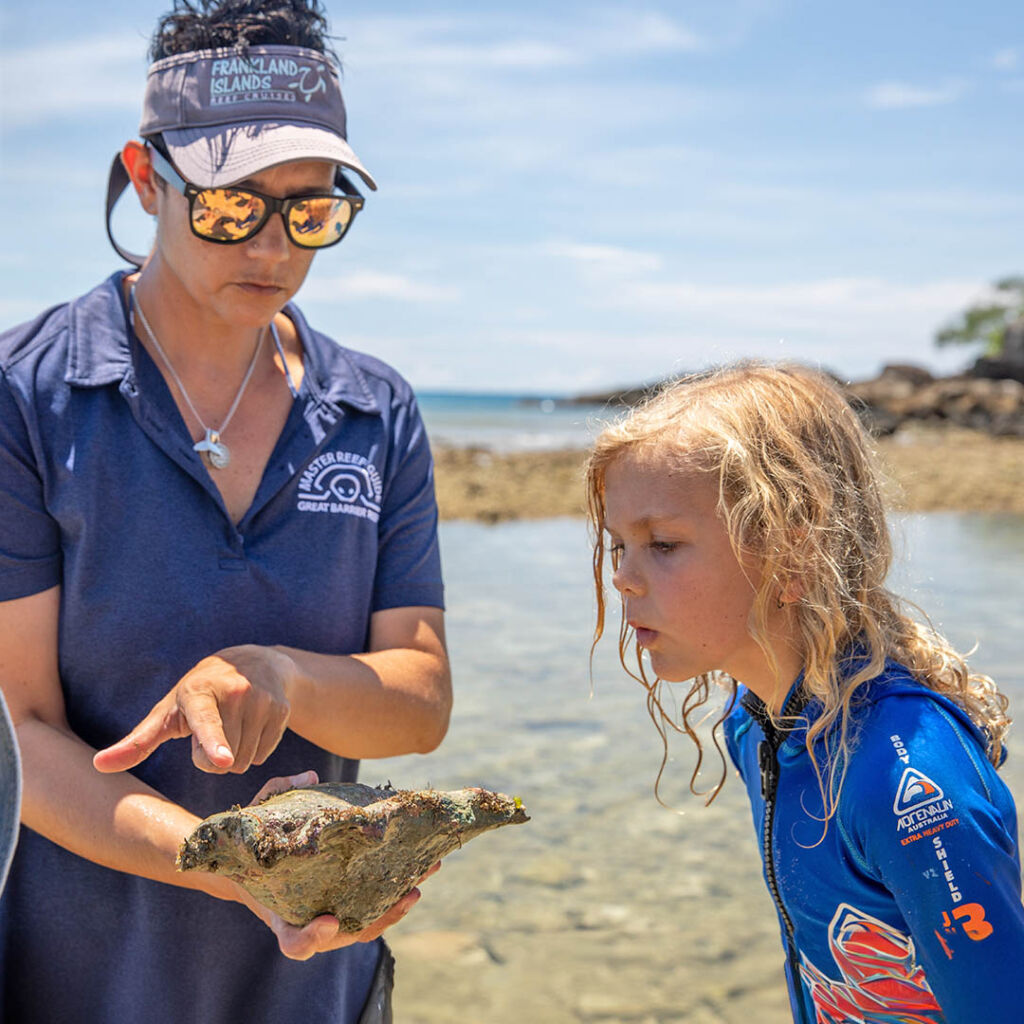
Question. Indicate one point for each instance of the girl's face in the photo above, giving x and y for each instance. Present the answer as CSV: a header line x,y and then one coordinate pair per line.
x,y
685,593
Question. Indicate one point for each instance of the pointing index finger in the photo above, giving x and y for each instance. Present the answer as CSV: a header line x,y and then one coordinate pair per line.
x,y
160,725
201,712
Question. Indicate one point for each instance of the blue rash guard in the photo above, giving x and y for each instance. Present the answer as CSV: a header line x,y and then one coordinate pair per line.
x,y
907,908
101,493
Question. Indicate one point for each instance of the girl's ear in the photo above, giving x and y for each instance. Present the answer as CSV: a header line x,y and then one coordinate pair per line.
x,y
790,578
791,592
135,157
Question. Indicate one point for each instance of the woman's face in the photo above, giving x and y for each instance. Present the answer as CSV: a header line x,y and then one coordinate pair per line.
x,y
685,592
245,283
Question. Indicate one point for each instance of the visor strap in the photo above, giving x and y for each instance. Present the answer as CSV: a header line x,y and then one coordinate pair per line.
x,y
119,180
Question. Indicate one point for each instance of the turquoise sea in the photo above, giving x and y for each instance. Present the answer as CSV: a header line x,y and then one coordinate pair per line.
x,y
507,422
606,906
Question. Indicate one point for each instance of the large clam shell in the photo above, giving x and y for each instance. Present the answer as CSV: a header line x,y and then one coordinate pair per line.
x,y
341,848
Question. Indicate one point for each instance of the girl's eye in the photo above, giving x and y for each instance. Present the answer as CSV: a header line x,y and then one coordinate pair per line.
x,y
615,551
663,546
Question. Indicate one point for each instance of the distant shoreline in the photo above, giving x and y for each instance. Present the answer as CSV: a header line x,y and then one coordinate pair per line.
x,y
931,468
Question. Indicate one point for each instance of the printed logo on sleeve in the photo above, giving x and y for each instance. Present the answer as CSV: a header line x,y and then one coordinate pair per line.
x,y
341,483
921,807
915,790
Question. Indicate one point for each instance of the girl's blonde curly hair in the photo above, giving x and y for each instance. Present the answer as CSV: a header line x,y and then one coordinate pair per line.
x,y
800,489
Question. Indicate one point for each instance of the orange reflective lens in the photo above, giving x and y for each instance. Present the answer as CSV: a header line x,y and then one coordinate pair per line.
x,y
227,215
233,215
318,221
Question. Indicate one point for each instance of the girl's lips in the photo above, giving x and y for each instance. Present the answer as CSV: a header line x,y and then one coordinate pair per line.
x,y
645,637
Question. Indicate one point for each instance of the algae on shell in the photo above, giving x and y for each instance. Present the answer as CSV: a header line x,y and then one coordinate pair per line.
x,y
341,848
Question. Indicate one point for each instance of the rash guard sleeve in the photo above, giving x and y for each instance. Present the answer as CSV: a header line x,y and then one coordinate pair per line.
x,y
932,822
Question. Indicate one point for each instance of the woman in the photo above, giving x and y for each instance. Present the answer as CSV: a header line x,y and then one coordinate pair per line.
x,y
217,524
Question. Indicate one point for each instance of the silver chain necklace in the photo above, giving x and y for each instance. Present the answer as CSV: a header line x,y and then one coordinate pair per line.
x,y
211,446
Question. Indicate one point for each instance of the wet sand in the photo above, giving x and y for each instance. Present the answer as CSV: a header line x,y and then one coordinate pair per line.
x,y
931,469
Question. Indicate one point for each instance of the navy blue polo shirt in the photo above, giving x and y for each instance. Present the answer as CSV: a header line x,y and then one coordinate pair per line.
x,y
101,492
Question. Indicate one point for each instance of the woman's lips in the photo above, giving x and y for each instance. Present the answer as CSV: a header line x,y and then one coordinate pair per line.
x,y
258,289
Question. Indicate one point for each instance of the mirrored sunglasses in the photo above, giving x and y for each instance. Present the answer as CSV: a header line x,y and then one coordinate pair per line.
x,y
229,215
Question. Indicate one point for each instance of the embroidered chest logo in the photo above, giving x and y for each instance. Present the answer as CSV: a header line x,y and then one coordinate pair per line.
x,y
341,483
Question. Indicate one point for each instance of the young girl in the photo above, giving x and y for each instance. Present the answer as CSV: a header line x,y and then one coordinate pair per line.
x,y
745,526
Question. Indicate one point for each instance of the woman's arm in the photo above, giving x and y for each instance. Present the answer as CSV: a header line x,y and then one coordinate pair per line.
x,y
118,822
236,704
396,699
114,820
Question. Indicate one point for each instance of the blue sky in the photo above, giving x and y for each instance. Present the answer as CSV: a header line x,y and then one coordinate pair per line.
x,y
583,195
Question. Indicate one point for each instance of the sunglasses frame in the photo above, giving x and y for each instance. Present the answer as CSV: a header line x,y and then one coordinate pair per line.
x,y
165,169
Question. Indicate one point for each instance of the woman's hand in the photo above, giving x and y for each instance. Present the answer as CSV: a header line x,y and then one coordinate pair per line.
x,y
233,704
322,933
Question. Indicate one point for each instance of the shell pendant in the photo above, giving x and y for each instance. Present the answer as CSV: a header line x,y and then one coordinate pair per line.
x,y
215,450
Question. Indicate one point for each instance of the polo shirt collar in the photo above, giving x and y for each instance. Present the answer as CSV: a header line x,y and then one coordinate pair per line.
x,y
99,350
332,376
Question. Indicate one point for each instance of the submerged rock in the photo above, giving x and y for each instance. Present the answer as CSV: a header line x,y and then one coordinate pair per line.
x,y
341,848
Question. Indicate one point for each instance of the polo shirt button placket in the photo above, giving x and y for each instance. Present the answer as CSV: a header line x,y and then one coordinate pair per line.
x,y
232,556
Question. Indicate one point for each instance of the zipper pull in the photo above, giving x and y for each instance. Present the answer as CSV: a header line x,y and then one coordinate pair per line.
x,y
768,764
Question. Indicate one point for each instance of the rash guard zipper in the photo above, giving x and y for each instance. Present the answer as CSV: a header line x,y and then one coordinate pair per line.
x,y
768,764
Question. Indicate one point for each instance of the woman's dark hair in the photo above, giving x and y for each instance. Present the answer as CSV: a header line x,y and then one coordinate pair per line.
x,y
206,24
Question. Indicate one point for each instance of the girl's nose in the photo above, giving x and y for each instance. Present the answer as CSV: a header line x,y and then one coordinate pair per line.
x,y
625,579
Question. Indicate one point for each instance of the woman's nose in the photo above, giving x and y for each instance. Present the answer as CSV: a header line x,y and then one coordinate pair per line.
x,y
271,241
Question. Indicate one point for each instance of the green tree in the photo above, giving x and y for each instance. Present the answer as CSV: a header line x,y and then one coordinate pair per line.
x,y
985,323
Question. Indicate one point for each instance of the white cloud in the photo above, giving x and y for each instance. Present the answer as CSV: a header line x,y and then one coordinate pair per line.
x,y
649,32
827,301
948,202
1007,59
606,259
488,42
897,95
373,284
64,79
440,56
416,42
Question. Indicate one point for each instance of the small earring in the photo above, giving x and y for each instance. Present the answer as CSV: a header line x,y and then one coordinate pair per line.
x,y
779,603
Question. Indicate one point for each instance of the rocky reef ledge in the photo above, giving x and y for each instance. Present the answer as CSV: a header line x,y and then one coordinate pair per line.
x,y
903,394
947,443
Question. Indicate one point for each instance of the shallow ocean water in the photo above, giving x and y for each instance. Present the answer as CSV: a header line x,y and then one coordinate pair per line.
x,y
509,422
606,906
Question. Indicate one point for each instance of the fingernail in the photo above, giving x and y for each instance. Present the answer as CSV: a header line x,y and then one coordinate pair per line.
x,y
225,752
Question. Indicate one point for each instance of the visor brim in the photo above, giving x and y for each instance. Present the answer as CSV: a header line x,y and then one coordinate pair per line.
x,y
220,155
